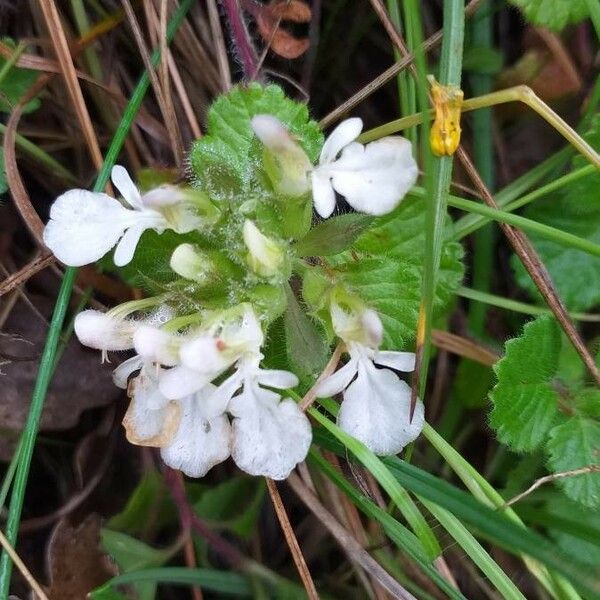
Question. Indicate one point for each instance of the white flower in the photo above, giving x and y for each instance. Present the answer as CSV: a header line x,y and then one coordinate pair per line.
x,y
85,225
376,405
373,178
102,331
206,354
193,433
265,256
270,436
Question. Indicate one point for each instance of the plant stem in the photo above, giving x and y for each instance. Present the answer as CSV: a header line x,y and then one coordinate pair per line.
x,y
483,154
450,74
48,357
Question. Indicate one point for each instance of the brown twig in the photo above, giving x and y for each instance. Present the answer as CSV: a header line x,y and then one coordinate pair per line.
x,y
39,263
463,347
346,541
330,367
388,74
536,269
549,478
292,542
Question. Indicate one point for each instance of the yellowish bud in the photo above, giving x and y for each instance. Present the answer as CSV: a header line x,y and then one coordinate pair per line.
x,y
445,130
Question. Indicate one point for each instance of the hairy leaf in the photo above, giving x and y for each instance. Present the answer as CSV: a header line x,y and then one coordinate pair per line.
x,y
223,161
525,403
553,14
306,346
333,235
384,267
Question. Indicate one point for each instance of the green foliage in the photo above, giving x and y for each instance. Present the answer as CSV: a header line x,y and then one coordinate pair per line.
x,y
533,408
233,505
149,504
524,399
15,83
472,384
333,235
384,267
132,555
553,14
575,209
306,347
223,161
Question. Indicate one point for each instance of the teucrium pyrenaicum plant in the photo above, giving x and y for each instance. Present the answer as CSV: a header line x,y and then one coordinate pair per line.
x,y
239,253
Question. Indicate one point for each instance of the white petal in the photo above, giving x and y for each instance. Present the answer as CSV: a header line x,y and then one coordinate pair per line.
x,y
347,131
373,327
271,132
322,193
200,443
126,247
84,226
156,345
275,378
271,439
401,361
375,181
163,196
222,396
144,388
180,381
120,177
101,331
202,354
376,410
148,427
122,373
338,381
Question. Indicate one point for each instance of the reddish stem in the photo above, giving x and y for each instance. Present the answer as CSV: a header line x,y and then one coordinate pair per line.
x,y
240,36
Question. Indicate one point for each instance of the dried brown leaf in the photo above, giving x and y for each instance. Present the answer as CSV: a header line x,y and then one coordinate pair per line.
x,y
270,17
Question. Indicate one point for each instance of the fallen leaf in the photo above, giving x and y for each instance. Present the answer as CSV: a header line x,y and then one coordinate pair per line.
x,y
75,562
269,20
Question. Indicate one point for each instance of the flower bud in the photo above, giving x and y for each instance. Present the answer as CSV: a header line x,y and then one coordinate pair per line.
x,y
265,256
202,266
285,161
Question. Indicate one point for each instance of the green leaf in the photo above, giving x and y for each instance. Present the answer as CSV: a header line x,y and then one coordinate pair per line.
x,y
132,555
305,343
575,210
3,182
553,14
333,235
150,501
14,85
224,160
472,384
221,582
385,268
525,404
573,445
482,60
233,505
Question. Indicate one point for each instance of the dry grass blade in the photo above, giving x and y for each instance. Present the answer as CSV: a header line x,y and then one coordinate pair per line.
x,y
291,540
464,347
330,367
35,586
219,41
534,266
346,541
162,96
61,47
29,270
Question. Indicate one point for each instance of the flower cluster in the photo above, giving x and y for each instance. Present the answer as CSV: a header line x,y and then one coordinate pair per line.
x,y
197,388
177,406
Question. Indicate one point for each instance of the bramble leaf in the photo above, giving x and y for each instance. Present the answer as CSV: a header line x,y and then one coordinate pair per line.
x,y
575,210
573,445
553,14
525,403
